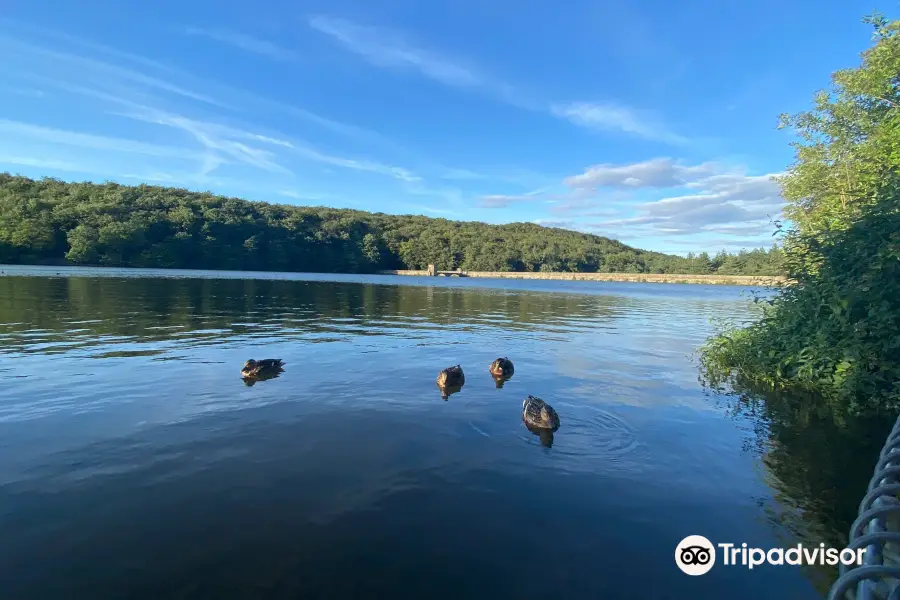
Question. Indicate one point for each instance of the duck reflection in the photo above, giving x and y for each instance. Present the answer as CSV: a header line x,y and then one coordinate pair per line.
x,y
448,390
499,380
545,435
251,380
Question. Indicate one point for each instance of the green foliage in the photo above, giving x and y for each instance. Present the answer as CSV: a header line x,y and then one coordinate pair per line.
x,y
49,221
833,333
848,141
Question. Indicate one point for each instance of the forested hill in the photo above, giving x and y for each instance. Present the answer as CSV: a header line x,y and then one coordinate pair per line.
x,y
53,222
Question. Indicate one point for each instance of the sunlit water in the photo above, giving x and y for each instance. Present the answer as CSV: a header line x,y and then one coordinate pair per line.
x,y
135,463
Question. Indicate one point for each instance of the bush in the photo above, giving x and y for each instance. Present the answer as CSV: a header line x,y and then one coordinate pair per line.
x,y
835,330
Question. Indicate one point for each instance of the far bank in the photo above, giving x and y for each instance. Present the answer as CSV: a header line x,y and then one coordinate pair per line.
x,y
745,280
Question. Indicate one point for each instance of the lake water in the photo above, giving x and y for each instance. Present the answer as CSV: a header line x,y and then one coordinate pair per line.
x,y
135,463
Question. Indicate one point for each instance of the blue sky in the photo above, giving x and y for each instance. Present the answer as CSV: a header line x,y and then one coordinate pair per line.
x,y
650,122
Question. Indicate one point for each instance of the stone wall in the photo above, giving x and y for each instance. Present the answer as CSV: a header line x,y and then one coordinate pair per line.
x,y
749,280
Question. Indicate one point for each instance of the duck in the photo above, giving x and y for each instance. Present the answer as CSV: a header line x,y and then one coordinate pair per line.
x,y
502,367
451,377
262,368
538,414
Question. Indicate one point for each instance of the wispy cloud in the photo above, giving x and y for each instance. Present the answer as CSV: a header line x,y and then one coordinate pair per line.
x,y
23,91
461,174
129,76
389,49
130,92
358,165
430,209
222,144
505,200
243,42
21,131
43,163
229,144
611,117
21,28
74,62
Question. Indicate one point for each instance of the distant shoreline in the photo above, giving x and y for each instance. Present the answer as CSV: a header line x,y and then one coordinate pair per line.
x,y
739,280
745,280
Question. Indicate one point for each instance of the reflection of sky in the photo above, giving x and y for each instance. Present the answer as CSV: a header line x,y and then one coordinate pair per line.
x,y
629,349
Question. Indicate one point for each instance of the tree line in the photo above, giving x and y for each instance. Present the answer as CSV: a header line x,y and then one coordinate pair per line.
x,y
48,221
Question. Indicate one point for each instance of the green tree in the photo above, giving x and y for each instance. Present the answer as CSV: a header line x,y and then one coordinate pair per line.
x,y
833,332
83,244
848,141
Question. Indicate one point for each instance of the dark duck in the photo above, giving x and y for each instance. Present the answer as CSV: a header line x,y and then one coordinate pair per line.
x,y
539,415
450,381
501,370
266,367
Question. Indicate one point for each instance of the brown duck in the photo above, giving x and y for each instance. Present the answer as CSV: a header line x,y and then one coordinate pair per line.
x,y
538,414
502,367
451,377
262,368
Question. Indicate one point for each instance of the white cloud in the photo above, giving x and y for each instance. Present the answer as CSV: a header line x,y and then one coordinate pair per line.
x,y
654,173
358,165
18,131
42,163
23,91
558,224
114,82
611,117
725,203
243,42
140,89
221,143
731,244
387,49
429,209
99,69
504,200
21,27
291,194
461,174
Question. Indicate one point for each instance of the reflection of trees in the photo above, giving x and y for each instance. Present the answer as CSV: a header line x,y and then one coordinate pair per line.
x,y
97,310
818,462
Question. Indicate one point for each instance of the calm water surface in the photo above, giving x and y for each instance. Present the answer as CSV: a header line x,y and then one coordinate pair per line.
x,y
135,463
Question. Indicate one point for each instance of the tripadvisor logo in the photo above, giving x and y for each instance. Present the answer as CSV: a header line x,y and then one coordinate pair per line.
x,y
696,555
